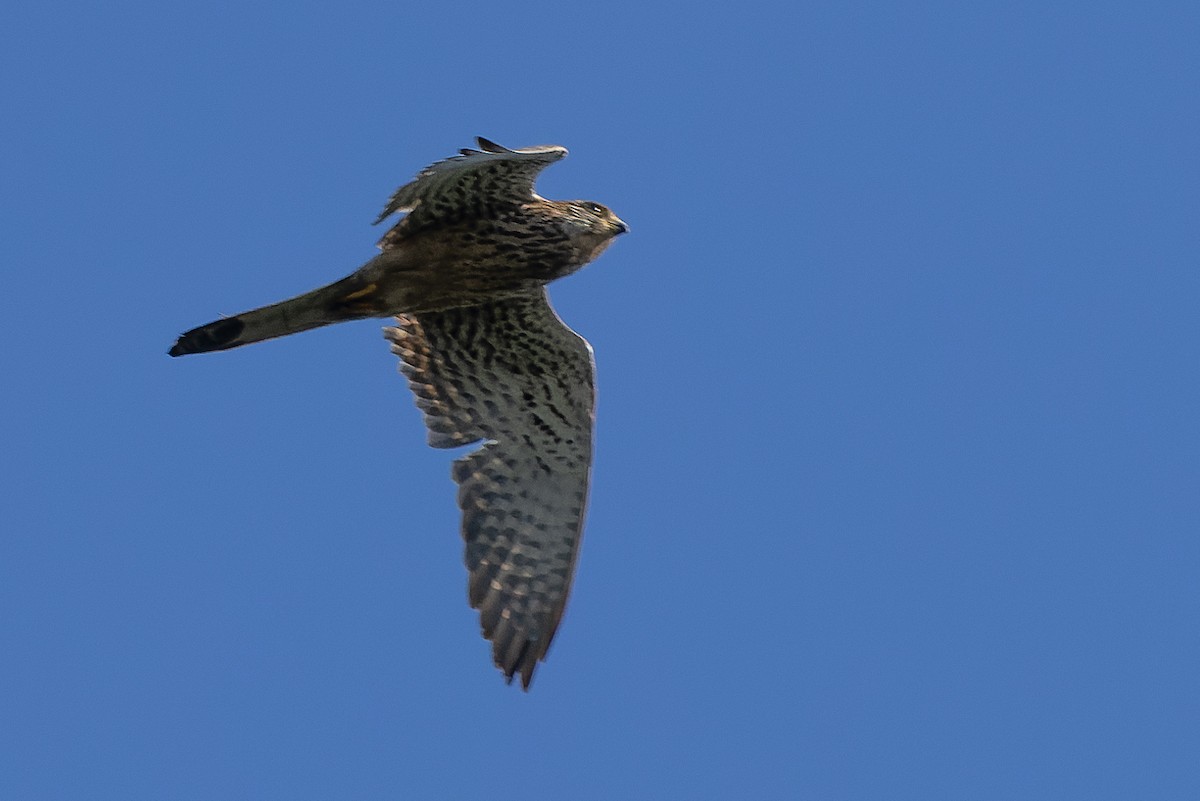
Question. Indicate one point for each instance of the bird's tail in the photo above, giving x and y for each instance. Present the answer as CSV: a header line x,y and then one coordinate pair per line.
x,y
352,298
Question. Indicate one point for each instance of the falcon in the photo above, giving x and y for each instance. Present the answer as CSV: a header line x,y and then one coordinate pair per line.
x,y
464,274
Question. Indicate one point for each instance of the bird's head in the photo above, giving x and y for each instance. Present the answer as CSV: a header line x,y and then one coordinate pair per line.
x,y
595,218
593,227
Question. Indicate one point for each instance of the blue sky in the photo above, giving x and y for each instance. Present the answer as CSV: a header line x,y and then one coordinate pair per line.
x,y
896,482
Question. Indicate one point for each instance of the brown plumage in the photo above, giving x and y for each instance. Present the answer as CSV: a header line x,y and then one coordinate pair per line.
x,y
464,272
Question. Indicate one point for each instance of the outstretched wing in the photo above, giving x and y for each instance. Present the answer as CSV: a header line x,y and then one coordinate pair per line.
x,y
471,182
512,373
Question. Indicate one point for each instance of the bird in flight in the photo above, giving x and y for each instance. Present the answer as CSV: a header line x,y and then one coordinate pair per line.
x,y
464,273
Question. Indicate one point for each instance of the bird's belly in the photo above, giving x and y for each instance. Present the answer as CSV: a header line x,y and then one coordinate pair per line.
x,y
437,285
467,266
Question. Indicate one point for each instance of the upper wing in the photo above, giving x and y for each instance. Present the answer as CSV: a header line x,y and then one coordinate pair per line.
x,y
470,181
512,373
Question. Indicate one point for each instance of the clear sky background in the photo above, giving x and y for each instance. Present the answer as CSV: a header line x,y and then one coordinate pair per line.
x,y
897,481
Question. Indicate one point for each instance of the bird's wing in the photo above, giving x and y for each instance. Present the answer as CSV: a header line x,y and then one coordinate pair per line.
x,y
513,374
471,181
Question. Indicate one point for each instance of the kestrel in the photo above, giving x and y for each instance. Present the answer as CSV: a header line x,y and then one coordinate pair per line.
x,y
464,272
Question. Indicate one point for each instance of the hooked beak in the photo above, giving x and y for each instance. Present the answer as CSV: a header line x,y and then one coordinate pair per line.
x,y
619,226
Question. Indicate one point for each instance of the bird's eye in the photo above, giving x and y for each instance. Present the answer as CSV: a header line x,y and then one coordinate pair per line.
x,y
596,207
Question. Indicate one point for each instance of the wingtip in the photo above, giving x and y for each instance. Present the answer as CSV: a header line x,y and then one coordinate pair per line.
x,y
488,146
526,675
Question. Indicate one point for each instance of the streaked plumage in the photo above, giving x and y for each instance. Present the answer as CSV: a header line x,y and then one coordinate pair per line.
x,y
464,273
